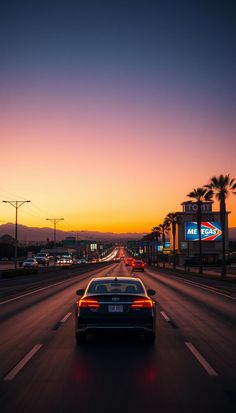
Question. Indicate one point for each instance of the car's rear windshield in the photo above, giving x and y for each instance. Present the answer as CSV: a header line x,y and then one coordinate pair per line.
x,y
109,287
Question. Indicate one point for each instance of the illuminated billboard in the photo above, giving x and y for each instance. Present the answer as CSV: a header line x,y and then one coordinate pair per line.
x,y
160,247
210,231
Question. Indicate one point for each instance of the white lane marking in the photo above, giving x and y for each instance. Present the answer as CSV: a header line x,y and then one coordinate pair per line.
x,y
201,360
66,317
165,316
32,292
45,288
10,376
203,287
209,288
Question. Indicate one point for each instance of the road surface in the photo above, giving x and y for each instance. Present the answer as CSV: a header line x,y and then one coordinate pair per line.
x,y
191,367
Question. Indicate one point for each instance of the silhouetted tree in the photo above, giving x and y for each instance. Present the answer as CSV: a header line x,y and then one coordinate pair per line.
x,y
221,188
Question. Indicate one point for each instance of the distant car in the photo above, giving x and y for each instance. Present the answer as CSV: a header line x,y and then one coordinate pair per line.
x,y
42,258
138,265
115,304
128,261
82,261
4,259
64,261
30,263
79,261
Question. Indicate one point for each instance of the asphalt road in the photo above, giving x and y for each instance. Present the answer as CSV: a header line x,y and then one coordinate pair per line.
x,y
191,368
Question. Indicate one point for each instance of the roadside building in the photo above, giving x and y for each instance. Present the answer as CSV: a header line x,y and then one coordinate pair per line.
x,y
132,245
187,245
88,249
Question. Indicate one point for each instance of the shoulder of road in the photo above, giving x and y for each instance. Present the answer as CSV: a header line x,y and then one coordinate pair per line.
x,y
208,273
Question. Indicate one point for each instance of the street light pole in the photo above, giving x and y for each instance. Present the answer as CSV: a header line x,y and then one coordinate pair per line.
x,y
16,205
54,221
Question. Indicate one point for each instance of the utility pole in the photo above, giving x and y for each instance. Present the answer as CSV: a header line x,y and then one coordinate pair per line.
x,y
54,221
16,205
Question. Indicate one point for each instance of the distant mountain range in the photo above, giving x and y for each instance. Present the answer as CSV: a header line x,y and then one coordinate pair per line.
x,y
232,234
27,234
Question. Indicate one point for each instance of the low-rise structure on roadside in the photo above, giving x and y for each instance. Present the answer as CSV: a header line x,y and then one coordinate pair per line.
x,y
187,245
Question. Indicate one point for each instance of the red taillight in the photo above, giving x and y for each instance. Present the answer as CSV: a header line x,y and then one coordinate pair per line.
x,y
88,303
145,303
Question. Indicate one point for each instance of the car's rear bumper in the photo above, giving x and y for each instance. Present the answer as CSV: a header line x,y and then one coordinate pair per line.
x,y
141,325
122,328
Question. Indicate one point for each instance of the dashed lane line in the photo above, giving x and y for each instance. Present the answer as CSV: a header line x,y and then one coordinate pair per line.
x,y
12,374
165,316
201,360
66,317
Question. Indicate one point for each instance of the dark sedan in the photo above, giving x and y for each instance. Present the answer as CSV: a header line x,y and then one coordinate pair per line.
x,y
115,304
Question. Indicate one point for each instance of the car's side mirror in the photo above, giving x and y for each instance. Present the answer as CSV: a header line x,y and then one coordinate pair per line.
x,y
151,292
80,292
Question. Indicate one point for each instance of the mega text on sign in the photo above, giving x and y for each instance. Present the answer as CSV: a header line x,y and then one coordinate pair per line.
x,y
210,231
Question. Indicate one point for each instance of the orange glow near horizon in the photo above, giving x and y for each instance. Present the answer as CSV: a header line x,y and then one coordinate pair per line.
x,y
108,167
110,116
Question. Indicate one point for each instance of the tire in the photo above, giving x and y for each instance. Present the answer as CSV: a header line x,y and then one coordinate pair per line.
x,y
150,338
80,339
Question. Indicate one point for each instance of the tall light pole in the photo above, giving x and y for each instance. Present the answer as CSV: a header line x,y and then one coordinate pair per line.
x,y
54,221
16,205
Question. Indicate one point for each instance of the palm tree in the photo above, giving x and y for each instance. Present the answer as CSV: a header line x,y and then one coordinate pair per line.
x,y
156,233
222,187
152,236
200,195
164,228
172,219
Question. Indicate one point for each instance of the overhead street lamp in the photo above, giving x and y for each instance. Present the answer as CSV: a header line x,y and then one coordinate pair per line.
x,y
54,221
16,205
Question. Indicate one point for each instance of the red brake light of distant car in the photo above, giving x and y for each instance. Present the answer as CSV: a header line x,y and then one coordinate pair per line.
x,y
145,303
88,303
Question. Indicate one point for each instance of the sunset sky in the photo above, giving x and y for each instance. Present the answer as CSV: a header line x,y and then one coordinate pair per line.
x,y
112,111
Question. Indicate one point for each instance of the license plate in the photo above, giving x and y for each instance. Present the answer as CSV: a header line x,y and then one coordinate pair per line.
x,y
115,308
